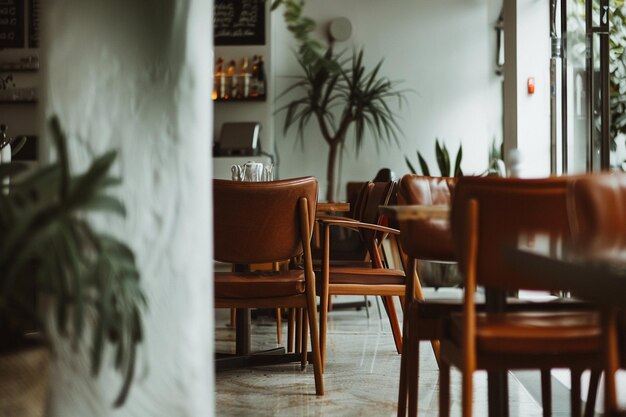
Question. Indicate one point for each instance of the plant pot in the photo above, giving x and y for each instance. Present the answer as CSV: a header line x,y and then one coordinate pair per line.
x,y
24,381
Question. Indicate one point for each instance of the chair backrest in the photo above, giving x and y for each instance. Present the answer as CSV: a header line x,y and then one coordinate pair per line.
x,y
507,207
257,222
372,196
420,189
426,239
597,208
354,190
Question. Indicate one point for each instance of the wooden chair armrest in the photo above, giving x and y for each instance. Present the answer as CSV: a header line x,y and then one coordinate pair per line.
x,y
325,217
355,225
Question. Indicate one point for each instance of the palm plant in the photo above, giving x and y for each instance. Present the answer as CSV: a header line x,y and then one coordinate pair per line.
x,y
338,93
443,161
48,248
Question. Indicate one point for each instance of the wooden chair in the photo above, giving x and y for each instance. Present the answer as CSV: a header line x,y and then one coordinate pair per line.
x,y
429,240
488,214
257,222
596,206
371,279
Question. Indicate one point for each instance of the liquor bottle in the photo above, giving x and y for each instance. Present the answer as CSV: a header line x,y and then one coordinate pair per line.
x,y
244,78
5,154
232,79
220,80
261,77
254,82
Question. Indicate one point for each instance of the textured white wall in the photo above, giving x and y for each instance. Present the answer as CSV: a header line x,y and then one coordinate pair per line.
x,y
444,51
134,75
533,111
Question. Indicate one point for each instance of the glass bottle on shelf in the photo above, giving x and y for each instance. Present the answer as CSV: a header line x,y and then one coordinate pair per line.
x,y
220,80
232,79
254,84
245,78
261,77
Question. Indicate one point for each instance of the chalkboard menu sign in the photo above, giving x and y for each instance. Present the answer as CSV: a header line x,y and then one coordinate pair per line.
x,y
33,24
11,23
239,22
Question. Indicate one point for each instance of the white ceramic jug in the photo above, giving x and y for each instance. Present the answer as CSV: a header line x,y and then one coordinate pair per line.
x,y
252,171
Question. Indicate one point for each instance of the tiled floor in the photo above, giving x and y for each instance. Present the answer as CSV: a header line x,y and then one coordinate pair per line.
x,y
361,377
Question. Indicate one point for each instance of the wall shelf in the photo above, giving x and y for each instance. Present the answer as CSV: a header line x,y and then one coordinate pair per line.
x,y
240,100
18,95
18,101
27,64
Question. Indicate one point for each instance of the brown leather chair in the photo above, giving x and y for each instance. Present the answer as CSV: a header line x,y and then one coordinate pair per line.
x,y
430,240
371,279
258,222
487,215
597,208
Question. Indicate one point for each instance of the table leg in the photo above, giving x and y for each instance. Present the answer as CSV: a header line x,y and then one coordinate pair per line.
x,y
242,329
498,392
497,381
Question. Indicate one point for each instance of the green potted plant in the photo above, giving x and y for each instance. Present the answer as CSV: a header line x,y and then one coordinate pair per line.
x,y
50,254
443,161
338,93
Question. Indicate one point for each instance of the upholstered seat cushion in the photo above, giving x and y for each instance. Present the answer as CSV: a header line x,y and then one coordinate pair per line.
x,y
534,332
259,284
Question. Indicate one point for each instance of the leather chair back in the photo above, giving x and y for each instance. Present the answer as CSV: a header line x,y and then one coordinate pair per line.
x,y
428,239
257,222
597,208
374,195
507,207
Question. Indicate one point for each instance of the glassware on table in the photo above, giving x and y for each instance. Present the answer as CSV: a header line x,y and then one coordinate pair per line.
x,y
252,171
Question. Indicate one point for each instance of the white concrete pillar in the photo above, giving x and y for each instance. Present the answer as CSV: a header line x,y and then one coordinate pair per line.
x,y
136,76
527,55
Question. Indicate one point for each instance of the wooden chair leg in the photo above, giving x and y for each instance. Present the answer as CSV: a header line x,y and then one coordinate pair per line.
x,y
575,400
305,342
290,329
436,351
444,390
315,345
324,306
413,359
299,331
393,321
403,386
279,327
233,317
546,392
468,392
609,323
592,393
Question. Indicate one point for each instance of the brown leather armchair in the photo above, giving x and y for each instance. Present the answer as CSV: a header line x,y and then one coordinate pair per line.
x,y
597,213
373,278
422,240
487,215
259,222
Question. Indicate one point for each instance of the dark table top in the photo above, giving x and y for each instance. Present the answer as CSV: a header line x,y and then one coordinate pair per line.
x,y
597,273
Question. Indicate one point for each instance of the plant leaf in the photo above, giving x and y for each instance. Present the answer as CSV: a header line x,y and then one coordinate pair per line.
x,y
457,163
423,165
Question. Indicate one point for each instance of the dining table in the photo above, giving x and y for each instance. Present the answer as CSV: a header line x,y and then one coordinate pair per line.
x,y
495,299
591,271
244,356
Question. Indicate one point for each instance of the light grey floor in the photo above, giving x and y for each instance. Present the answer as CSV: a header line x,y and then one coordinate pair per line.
x,y
361,377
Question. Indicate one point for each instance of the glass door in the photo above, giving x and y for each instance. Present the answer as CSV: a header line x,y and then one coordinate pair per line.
x,y
580,93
